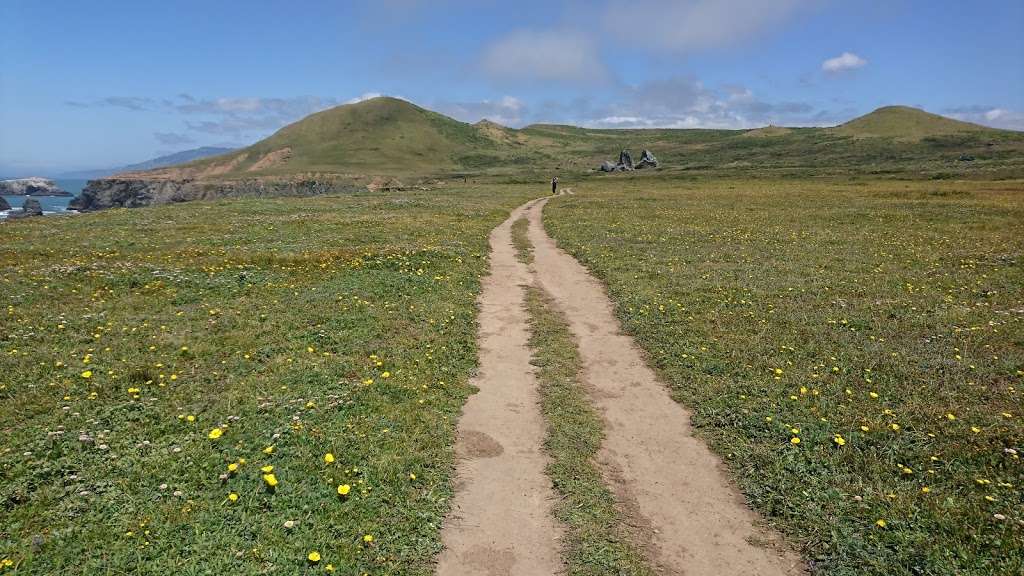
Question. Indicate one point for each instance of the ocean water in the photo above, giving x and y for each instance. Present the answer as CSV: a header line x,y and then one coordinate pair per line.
x,y
50,204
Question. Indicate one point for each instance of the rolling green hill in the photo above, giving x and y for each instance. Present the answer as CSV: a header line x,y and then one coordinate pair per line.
x,y
905,123
389,137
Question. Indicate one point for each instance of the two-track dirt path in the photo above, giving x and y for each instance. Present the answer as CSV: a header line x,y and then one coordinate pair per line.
x,y
667,482
501,522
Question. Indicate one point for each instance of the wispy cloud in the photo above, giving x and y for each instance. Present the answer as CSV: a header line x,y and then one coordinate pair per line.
x,y
553,56
993,116
173,138
685,25
678,102
135,103
843,63
507,111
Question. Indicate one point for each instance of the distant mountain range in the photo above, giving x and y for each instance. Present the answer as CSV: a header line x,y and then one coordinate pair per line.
x,y
160,162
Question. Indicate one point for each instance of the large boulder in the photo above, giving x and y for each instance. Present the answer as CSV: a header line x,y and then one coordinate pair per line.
x,y
31,187
647,160
625,160
3,204
32,207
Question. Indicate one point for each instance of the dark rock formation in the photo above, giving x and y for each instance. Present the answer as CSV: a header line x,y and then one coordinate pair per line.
x,y
3,204
625,160
136,192
32,207
31,187
647,160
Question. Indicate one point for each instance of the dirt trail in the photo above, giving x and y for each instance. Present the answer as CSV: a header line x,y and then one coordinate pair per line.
x,y
501,522
674,487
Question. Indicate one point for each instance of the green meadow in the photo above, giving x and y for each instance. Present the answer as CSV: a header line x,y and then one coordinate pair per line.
x,y
156,363
853,349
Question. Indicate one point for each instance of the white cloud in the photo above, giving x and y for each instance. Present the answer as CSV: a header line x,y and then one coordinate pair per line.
x,y
548,56
362,97
683,25
843,62
683,102
992,116
509,111
173,138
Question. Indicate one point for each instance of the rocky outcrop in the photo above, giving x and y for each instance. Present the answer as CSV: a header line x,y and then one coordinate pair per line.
x,y
31,187
120,192
3,204
647,160
625,160
32,207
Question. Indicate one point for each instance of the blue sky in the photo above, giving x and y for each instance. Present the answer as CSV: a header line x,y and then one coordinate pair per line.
x,y
100,84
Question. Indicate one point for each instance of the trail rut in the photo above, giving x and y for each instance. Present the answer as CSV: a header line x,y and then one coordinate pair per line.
x,y
501,522
697,520
668,483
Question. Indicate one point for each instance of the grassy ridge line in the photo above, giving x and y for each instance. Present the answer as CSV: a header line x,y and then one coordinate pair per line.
x,y
597,542
391,137
851,349
294,327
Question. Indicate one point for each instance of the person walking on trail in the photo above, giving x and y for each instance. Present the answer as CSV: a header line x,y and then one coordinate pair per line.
x,y
554,185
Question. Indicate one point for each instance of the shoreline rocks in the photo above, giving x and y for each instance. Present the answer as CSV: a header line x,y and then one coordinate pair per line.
x,y
31,187
126,192
32,207
3,204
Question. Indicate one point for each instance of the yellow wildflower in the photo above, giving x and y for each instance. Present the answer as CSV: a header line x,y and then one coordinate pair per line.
x,y
329,458
216,433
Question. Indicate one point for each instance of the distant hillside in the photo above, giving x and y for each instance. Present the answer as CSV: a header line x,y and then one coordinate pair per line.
x,y
387,142
905,123
380,136
159,162
390,137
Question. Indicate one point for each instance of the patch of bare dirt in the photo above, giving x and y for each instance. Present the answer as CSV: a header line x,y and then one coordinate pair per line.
x,y
501,522
271,159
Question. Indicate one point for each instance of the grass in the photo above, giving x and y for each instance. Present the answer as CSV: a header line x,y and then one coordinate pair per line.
x,y
597,542
294,327
880,323
906,124
524,250
392,137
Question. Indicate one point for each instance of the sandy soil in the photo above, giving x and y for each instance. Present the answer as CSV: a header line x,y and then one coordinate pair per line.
x,y
501,523
673,490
